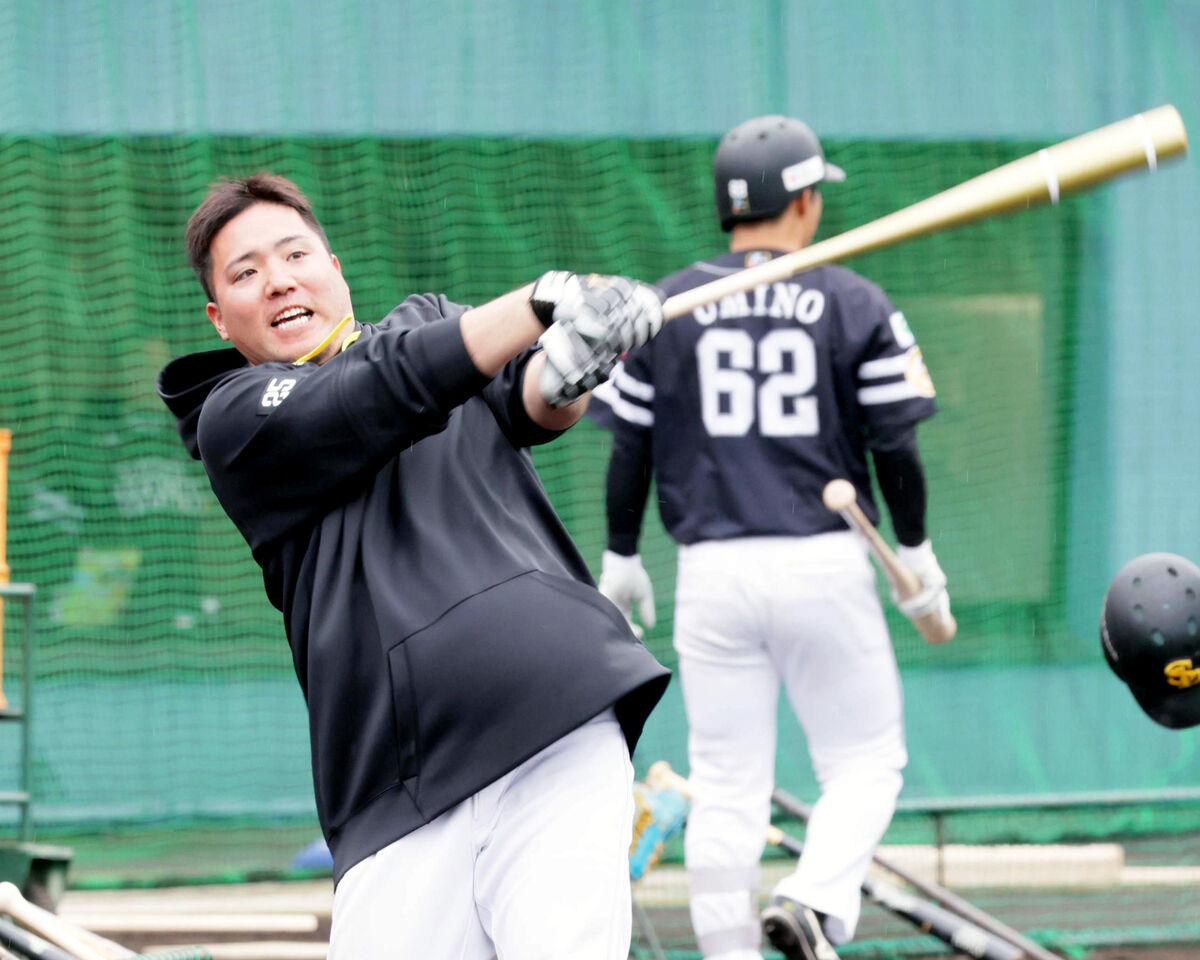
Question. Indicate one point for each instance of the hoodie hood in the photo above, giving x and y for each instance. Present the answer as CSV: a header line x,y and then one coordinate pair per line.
x,y
186,382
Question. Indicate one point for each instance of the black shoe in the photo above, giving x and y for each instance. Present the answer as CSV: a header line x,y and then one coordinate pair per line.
x,y
794,930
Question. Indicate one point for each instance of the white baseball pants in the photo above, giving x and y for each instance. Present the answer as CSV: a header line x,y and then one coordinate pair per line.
x,y
536,865
751,614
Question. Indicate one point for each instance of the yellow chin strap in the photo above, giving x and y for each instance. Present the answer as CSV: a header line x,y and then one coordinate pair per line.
x,y
316,351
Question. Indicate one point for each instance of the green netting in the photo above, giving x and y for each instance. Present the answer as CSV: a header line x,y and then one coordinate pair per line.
x,y
165,691
170,741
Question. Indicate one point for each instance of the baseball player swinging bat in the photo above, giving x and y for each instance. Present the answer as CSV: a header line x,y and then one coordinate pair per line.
x,y
949,927
840,497
952,902
1143,140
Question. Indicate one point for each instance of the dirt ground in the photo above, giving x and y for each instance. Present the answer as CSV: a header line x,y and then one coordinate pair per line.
x,y
282,905
1188,952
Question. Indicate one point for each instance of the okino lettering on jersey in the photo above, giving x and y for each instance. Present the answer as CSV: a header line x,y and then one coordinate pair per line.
x,y
788,301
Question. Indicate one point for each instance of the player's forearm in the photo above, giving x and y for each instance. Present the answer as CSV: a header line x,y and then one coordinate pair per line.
x,y
497,331
628,487
540,412
902,483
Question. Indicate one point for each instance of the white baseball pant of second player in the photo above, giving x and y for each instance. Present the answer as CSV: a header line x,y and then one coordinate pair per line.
x,y
750,614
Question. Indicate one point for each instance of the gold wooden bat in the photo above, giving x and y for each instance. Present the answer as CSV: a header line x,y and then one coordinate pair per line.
x,y
1143,140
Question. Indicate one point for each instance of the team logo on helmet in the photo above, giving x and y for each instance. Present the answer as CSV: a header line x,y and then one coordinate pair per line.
x,y
739,195
1181,673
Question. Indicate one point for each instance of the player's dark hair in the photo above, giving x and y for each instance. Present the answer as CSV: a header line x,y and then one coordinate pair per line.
x,y
225,200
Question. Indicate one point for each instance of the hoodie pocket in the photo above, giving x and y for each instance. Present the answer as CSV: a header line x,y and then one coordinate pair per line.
x,y
404,708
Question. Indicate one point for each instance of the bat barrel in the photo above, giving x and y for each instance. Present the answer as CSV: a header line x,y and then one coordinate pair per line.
x,y
1143,140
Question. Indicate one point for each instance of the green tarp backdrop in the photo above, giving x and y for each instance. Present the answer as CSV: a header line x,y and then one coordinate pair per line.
x,y
465,151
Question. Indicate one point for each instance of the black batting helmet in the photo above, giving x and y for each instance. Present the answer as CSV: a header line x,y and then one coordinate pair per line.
x,y
762,163
1150,632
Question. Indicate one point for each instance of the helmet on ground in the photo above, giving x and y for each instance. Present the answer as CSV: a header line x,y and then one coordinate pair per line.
x,y
760,165
1150,632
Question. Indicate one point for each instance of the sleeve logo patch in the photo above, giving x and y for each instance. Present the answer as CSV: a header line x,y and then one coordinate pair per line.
x,y
277,391
901,330
917,375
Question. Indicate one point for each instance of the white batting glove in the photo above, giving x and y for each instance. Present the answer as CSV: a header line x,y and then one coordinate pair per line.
x,y
592,321
625,582
933,597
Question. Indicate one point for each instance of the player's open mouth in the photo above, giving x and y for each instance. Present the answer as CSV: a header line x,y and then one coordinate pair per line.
x,y
292,317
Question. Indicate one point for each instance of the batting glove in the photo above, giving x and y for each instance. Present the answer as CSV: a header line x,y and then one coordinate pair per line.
x,y
933,597
591,322
625,582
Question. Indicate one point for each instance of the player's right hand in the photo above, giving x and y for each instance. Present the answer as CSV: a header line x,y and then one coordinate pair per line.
x,y
933,597
592,321
625,582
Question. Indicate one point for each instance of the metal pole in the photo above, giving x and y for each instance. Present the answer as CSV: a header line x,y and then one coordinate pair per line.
x,y
643,921
5,572
27,725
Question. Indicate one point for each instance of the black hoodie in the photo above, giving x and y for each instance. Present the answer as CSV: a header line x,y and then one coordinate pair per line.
x,y
443,626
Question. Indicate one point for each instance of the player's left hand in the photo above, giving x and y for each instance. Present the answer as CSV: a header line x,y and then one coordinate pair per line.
x,y
595,321
933,597
626,583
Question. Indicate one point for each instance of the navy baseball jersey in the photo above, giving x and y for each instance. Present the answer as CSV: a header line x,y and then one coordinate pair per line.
x,y
763,398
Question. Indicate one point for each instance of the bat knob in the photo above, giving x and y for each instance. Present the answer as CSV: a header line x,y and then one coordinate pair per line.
x,y
839,494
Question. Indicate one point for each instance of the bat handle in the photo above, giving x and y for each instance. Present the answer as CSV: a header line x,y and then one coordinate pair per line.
x,y
661,776
840,496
